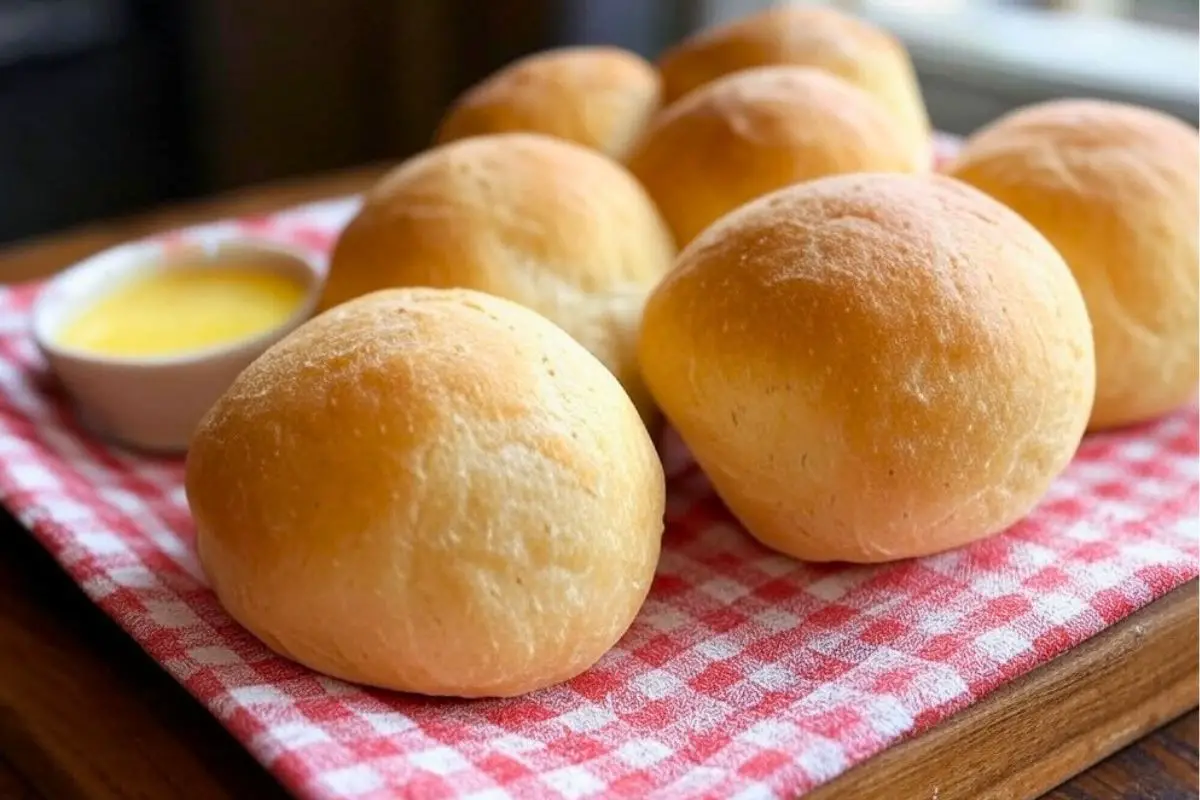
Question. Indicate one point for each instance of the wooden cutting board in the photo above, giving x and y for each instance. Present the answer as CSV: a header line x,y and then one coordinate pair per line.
x,y
83,713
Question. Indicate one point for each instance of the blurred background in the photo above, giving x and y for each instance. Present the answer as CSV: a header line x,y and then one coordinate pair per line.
x,y
108,107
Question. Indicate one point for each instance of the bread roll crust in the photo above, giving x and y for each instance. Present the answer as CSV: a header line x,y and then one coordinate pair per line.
x,y
1114,188
751,132
825,38
434,491
872,367
596,96
543,222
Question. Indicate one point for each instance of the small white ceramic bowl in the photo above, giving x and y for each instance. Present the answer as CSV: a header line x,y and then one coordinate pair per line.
x,y
154,403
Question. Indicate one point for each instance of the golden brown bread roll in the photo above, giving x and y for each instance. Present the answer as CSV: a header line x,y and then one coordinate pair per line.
x,y
435,491
549,224
872,367
1114,188
596,96
807,36
755,131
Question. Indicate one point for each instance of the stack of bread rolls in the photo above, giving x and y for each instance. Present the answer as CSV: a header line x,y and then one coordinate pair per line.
x,y
446,482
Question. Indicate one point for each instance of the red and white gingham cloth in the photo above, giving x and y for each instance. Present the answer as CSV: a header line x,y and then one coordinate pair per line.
x,y
746,675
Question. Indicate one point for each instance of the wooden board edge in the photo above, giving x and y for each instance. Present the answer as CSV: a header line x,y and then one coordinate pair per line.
x,y
86,713
1105,693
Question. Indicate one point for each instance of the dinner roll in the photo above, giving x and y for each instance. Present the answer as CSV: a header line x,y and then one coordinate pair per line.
x,y
429,490
1114,188
872,367
808,36
596,96
755,131
549,224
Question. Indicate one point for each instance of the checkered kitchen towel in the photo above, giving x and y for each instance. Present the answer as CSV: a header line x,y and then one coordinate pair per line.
x,y
746,674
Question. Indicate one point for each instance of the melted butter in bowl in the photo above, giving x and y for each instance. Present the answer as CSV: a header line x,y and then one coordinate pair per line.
x,y
145,338
185,310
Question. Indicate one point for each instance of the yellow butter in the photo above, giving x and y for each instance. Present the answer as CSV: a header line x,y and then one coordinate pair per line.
x,y
177,311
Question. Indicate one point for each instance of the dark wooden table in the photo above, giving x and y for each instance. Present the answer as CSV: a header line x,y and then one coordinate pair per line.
x,y
85,714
